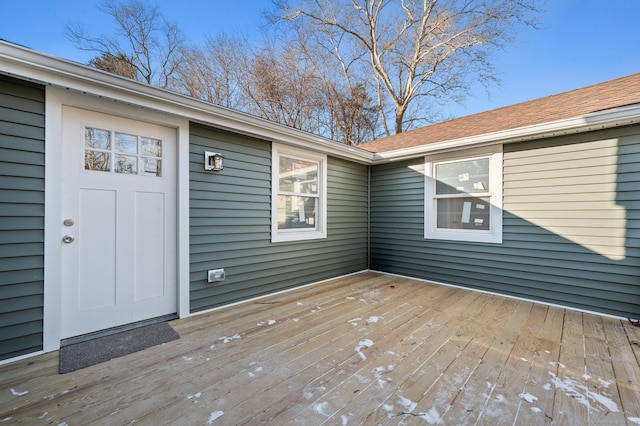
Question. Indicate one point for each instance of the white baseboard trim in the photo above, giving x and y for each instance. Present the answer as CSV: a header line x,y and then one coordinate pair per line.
x,y
570,308
253,299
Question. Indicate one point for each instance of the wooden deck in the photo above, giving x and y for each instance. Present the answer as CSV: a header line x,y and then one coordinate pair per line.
x,y
367,349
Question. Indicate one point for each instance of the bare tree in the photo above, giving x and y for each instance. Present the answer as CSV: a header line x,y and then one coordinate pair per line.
x,y
354,116
281,86
348,114
119,64
417,50
151,44
211,73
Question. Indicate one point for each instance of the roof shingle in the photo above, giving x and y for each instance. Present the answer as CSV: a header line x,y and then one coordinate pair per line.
x,y
599,97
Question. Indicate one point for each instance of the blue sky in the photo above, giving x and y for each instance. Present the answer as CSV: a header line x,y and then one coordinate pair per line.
x,y
579,43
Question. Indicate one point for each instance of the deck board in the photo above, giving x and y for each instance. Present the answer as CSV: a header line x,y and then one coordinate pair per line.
x,y
364,349
571,401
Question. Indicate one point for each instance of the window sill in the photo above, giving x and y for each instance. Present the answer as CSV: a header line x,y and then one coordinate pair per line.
x,y
284,237
465,236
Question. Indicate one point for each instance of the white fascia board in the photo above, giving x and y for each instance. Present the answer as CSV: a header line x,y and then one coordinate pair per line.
x,y
616,117
25,63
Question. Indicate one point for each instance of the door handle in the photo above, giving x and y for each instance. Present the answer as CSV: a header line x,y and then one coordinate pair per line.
x,y
68,239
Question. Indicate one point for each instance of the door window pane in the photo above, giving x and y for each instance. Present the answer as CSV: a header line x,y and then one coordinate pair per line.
x,y
97,138
126,143
96,160
126,164
151,147
151,167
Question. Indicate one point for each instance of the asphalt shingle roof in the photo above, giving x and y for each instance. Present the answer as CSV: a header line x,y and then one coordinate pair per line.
x,y
599,97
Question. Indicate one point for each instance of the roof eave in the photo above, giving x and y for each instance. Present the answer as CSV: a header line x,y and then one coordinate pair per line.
x,y
616,117
26,63
38,67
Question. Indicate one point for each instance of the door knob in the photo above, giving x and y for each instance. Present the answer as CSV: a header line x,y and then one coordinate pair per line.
x,y
68,239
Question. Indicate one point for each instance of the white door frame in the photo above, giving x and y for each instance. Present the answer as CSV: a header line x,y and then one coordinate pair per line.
x,y
55,99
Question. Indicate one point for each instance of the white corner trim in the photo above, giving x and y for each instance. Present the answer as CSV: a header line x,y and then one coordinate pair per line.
x,y
182,216
52,316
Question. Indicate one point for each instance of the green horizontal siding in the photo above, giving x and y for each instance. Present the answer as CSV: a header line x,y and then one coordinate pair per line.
x,y
230,225
571,225
21,217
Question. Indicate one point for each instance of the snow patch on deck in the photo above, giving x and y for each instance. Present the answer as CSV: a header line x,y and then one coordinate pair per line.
x,y
226,339
354,321
366,343
432,417
214,416
321,408
18,394
407,404
528,397
582,394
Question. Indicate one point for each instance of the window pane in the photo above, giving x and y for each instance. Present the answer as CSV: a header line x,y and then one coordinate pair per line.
x,y
151,147
126,164
296,212
469,176
97,139
126,143
151,167
298,176
96,160
463,213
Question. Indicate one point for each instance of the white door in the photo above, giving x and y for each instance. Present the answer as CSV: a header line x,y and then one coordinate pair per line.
x,y
118,224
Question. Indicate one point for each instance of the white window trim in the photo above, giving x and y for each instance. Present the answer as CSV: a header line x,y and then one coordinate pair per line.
x,y
494,234
298,234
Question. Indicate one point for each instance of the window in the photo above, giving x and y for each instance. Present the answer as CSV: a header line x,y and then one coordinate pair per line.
x,y
121,153
463,196
298,210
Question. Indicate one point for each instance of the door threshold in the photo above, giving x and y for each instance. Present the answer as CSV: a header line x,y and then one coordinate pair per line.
x,y
114,330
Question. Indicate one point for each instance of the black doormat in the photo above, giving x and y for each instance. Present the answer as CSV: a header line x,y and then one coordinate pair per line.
x,y
90,352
